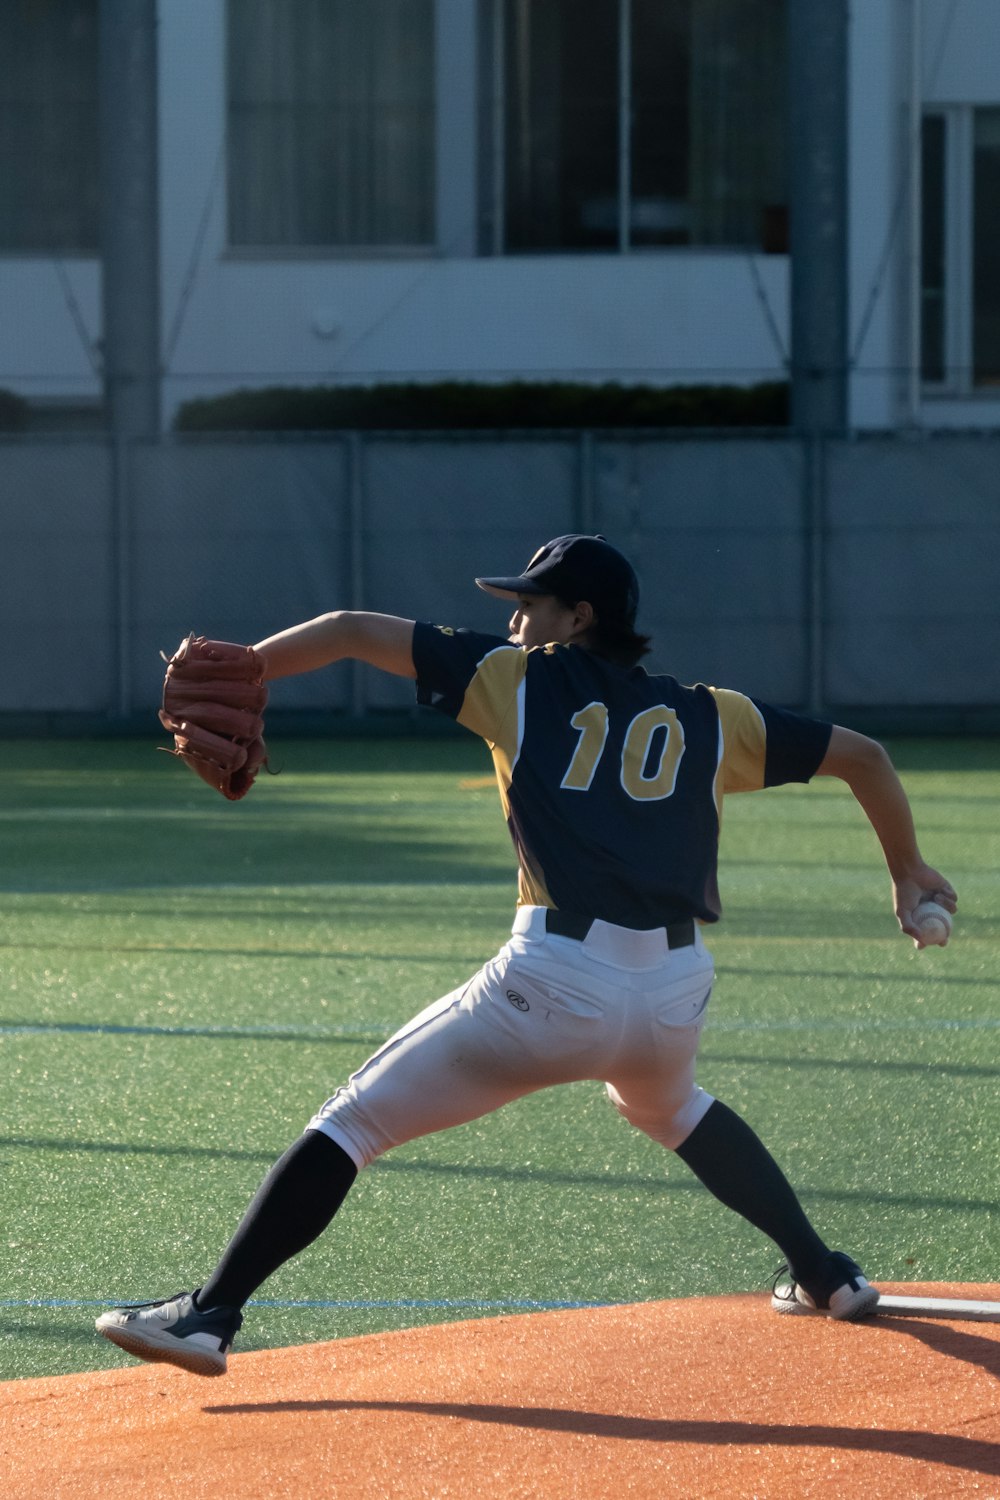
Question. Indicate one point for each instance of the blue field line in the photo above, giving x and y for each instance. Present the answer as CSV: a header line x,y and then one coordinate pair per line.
x,y
304,1031
436,1304
375,1032
861,1023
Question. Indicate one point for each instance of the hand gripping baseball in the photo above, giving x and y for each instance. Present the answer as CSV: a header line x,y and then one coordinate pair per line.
x,y
213,701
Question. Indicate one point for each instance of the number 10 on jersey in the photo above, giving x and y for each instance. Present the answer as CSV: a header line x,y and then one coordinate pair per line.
x,y
651,751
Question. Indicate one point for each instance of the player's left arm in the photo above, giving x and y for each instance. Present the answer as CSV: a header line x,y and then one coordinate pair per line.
x,y
867,769
384,641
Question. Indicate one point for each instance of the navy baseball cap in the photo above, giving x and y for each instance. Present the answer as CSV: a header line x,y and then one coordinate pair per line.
x,y
575,568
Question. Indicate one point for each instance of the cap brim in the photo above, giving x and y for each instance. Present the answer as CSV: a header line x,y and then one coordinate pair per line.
x,y
509,588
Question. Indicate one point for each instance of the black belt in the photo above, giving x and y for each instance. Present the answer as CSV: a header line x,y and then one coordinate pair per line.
x,y
568,924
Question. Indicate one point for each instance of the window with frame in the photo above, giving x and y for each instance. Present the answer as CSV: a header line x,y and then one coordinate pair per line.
x,y
960,287
985,240
331,123
49,160
639,123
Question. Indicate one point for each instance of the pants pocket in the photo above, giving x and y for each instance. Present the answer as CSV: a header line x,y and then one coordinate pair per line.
x,y
686,1005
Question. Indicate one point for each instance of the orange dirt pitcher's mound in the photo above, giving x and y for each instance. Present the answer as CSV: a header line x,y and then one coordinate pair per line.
x,y
695,1398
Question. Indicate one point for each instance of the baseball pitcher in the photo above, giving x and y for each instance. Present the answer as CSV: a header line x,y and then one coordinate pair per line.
x,y
612,782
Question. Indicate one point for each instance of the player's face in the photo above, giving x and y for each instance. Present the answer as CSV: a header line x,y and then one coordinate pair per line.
x,y
541,618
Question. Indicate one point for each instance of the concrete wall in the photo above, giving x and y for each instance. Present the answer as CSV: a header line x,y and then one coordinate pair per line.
x,y
103,563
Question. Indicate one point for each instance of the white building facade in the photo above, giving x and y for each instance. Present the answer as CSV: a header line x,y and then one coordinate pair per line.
x,y
354,191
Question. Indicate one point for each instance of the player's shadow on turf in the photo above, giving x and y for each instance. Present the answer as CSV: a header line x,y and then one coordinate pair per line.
x,y
955,1343
517,1175
930,1447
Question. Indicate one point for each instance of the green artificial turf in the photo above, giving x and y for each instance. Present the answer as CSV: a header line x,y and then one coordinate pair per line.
x,y
185,980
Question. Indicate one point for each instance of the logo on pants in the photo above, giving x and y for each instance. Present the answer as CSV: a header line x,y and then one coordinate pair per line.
x,y
518,1001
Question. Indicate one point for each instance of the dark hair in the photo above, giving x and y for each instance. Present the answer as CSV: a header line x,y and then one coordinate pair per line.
x,y
615,639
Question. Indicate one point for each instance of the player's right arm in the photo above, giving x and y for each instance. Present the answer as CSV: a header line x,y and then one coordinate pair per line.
x,y
384,641
866,768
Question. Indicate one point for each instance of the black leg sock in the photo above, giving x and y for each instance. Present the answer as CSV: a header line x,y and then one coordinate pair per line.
x,y
735,1165
294,1204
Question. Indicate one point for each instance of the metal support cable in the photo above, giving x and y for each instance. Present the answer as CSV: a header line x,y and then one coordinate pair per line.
x,y
770,318
194,263
90,344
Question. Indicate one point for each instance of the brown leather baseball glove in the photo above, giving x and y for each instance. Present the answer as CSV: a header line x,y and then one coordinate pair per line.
x,y
213,701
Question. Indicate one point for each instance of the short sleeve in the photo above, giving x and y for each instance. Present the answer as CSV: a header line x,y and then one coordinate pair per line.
x,y
446,660
766,746
796,745
473,678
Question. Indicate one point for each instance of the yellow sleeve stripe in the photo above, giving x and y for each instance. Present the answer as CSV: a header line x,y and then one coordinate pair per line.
x,y
743,754
506,751
493,706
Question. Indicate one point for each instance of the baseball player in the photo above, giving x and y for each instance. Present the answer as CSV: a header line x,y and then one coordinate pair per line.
x,y
612,782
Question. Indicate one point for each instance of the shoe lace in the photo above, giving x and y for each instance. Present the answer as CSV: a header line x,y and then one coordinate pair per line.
x,y
158,1302
783,1273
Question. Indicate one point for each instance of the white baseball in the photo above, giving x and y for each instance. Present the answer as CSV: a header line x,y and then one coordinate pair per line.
x,y
934,923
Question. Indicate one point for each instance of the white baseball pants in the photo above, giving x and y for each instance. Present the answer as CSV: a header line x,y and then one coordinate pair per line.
x,y
619,1007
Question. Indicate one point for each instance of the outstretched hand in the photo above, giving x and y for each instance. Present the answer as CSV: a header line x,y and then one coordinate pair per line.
x,y
921,884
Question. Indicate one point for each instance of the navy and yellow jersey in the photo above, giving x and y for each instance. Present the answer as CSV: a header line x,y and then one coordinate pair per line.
x,y
611,779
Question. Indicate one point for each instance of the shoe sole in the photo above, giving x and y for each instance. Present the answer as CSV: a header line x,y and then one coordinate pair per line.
x,y
168,1352
863,1304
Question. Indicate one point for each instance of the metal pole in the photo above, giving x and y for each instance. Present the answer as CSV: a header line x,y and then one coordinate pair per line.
x,y
818,84
498,103
587,500
814,484
818,91
915,164
120,602
624,125
127,57
127,87
356,511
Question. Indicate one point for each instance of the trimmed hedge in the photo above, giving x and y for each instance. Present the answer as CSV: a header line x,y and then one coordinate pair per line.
x,y
13,412
455,405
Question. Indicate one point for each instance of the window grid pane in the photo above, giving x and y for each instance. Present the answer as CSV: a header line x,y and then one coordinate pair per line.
x,y
331,123
49,164
932,258
660,207
706,120
985,240
561,147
